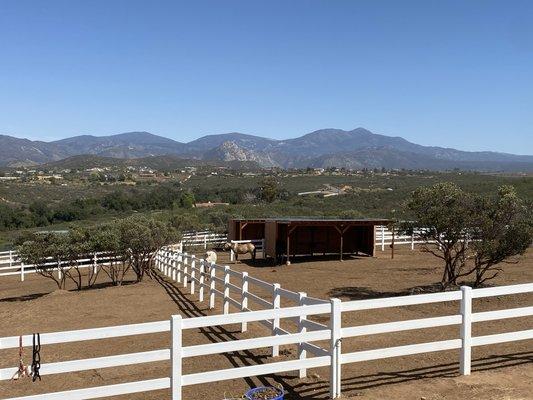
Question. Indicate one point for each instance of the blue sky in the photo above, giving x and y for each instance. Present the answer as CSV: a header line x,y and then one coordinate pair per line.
x,y
448,73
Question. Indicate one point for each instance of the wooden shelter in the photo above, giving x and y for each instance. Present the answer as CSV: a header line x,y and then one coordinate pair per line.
x,y
290,237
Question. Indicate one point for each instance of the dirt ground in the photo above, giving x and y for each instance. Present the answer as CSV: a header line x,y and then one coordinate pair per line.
x,y
503,371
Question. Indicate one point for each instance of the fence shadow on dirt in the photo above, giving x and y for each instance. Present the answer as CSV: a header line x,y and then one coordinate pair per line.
x,y
189,309
271,262
364,293
317,387
352,386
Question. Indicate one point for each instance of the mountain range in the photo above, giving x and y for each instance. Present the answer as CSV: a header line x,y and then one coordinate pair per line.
x,y
355,149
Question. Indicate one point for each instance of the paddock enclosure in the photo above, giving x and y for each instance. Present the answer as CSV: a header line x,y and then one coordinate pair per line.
x,y
292,237
381,316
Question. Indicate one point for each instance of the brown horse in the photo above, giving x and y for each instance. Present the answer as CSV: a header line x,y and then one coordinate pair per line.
x,y
241,248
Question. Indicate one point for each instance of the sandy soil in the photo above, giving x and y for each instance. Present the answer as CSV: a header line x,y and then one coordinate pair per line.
x,y
502,371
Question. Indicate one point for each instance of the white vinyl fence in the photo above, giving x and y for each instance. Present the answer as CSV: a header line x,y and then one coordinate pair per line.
x,y
235,291
384,237
10,264
204,239
238,290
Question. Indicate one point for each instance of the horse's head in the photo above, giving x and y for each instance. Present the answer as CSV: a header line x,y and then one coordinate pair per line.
x,y
227,246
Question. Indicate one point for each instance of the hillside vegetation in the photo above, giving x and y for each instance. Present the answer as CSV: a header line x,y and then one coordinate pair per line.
x,y
368,194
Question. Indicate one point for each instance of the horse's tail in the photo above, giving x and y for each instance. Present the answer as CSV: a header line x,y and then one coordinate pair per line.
x,y
255,252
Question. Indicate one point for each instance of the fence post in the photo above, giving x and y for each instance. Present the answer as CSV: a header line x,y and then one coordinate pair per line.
x,y
202,280
21,271
180,263
226,290
205,242
185,269
231,255
168,260
193,273
413,240
466,330
173,265
382,238
59,272
302,353
176,356
95,264
335,349
212,282
10,258
244,299
276,303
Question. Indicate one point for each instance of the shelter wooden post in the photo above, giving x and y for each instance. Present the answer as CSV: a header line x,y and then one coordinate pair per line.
x,y
289,231
288,246
341,232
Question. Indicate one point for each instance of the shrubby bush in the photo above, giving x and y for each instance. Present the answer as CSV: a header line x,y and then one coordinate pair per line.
x,y
132,241
471,234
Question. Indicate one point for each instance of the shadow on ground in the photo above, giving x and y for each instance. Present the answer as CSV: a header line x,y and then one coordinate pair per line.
x,y
318,387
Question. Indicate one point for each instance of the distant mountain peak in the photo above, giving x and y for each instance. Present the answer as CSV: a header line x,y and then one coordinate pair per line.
x,y
356,148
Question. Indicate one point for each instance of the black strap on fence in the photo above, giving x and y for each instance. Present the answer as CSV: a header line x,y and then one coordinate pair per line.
x,y
36,359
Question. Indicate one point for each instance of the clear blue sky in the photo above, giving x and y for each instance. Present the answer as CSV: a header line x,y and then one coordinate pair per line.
x,y
449,73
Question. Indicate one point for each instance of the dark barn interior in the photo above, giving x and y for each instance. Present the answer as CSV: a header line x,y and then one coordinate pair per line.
x,y
246,229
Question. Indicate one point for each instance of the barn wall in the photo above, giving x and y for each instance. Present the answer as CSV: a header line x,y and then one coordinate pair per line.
x,y
270,238
232,229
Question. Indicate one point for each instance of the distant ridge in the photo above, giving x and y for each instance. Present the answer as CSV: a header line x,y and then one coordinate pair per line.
x,y
355,149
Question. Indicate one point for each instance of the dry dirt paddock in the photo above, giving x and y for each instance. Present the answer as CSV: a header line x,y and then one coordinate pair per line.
x,y
503,371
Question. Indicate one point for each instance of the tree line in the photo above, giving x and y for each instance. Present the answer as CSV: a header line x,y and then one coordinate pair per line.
x,y
40,213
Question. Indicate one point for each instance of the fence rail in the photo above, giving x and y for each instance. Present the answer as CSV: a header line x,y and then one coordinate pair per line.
x,y
212,281
384,237
11,264
203,239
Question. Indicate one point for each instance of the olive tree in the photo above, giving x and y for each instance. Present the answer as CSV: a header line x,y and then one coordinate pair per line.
x,y
42,250
139,238
503,230
446,214
56,256
104,241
